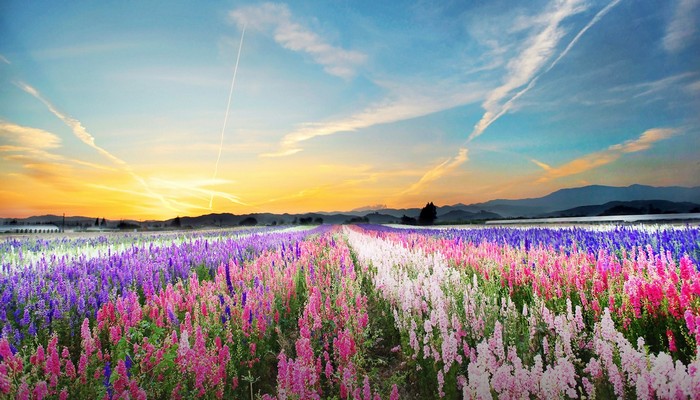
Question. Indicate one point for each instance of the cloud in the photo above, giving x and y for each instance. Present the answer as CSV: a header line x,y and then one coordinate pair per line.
x,y
542,165
81,133
402,104
277,20
609,155
78,130
524,69
681,27
29,144
26,137
651,87
576,38
644,141
198,187
370,208
438,171
693,87
4,59
281,153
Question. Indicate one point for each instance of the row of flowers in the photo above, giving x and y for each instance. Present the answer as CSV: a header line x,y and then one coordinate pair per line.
x,y
493,319
290,322
614,239
56,293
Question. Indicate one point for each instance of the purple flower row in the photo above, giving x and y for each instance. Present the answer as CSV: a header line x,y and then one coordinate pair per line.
x,y
58,293
679,241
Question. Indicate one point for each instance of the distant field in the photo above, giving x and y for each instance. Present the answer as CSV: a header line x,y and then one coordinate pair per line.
x,y
363,311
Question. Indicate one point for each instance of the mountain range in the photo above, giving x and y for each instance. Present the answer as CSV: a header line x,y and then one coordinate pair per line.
x,y
591,200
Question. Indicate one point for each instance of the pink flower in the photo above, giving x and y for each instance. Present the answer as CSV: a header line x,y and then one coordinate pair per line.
x,y
38,357
394,393
53,364
671,341
40,390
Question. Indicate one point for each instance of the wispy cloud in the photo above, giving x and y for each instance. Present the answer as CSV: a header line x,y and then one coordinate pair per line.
x,y
681,27
276,19
81,133
200,188
542,165
439,171
27,137
31,145
693,87
588,26
78,130
609,155
402,104
524,70
4,59
651,87
84,49
529,61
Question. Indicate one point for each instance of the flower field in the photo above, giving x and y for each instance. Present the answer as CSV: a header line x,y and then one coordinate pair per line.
x,y
354,312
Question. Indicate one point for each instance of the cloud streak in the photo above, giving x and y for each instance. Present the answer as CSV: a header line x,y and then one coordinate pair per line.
x,y
524,69
542,165
609,155
438,171
26,137
682,26
402,104
27,144
84,136
277,20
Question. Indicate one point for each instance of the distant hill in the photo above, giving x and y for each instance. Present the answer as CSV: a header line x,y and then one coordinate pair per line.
x,y
457,216
565,199
637,207
583,201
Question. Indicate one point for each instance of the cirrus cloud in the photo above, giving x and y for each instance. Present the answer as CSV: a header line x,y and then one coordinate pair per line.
x,y
609,155
276,19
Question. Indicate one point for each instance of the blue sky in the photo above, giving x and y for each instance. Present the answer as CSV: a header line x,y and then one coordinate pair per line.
x,y
118,109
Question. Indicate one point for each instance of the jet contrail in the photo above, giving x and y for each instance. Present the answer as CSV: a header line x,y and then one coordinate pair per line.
x,y
228,108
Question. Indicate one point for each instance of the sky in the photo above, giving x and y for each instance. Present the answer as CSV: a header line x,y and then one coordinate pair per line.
x,y
149,110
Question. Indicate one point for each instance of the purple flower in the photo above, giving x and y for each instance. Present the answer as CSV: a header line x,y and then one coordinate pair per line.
x,y
107,375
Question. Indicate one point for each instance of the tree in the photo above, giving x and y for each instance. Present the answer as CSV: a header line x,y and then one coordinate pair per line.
x,y
97,221
176,222
104,223
406,220
249,221
428,214
127,225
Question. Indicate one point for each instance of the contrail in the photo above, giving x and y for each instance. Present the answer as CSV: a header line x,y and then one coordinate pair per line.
x,y
595,19
228,108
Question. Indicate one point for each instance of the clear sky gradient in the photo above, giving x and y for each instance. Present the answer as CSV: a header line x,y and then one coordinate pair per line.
x,y
116,109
